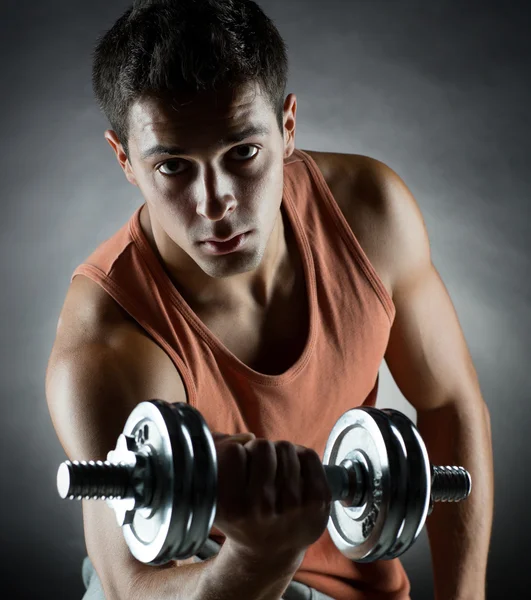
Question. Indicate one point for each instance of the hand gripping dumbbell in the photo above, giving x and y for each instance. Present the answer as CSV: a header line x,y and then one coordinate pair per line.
x,y
161,481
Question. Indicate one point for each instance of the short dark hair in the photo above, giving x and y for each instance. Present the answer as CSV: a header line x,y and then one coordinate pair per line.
x,y
171,48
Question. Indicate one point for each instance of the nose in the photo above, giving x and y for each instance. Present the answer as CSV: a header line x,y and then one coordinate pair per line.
x,y
216,197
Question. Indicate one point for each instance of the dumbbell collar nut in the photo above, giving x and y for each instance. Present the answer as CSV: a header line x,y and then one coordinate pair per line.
x,y
139,495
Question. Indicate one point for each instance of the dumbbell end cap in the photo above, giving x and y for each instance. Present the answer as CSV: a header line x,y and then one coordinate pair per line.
x,y
64,480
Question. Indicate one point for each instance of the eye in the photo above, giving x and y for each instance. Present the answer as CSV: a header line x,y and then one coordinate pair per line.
x,y
247,147
169,162
240,158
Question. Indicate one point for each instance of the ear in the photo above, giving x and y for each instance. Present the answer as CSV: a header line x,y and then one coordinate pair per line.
x,y
290,110
116,145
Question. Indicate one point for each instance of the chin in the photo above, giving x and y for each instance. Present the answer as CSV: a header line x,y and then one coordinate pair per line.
x,y
229,265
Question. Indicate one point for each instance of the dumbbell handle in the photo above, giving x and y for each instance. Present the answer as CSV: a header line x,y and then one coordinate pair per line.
x,y
348,482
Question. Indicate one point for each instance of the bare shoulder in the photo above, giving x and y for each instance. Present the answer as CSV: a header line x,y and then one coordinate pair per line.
x,y
339,164
102,365
91,318
356,182
89,314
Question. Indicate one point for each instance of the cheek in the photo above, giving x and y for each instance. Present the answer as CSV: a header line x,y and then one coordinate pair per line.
x,y
181,216
175,216
272,193
268,188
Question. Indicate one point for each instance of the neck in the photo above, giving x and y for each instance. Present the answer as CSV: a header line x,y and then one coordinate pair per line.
x,y
256,289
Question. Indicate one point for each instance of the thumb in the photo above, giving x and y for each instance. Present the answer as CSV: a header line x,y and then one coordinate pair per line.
x,y
239,438
242,438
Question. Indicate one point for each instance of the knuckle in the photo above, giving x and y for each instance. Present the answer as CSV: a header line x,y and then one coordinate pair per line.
x,y
288,466
262,462
309,456
284,446
231,455
261,452
234,449
261,446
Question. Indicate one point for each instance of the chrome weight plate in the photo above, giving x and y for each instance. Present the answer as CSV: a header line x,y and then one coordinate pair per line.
x,y
204,479
159,532
397,499
365,533
418,484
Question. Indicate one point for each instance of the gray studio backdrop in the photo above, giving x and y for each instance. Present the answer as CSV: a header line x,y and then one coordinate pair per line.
x,y
438,90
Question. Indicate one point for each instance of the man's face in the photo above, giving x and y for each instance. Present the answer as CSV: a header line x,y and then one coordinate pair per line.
x,y
211,169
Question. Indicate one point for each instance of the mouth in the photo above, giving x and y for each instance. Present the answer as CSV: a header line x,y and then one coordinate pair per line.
x,y
223,241
234,243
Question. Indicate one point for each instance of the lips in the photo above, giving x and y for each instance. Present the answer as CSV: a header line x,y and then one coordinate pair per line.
x,y
234,243
224,240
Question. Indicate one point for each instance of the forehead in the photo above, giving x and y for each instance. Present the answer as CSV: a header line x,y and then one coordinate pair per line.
x,y
152,118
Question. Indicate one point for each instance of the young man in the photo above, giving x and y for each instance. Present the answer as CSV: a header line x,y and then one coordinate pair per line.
x,y
263,285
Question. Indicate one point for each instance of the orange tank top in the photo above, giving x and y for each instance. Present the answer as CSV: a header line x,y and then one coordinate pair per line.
x,y
350,314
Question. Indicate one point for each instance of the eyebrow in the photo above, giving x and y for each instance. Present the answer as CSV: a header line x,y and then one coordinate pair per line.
x,y
229,139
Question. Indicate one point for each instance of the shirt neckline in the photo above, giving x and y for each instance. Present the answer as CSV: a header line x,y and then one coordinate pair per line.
x,y
202,330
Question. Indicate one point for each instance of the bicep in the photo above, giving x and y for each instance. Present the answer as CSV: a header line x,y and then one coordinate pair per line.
x,y
91,390
427,354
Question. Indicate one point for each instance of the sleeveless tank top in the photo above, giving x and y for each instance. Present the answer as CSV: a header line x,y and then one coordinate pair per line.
x,y
350,317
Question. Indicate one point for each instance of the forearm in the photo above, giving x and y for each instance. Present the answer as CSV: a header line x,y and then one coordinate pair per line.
x,y
233,575
225,576
459,534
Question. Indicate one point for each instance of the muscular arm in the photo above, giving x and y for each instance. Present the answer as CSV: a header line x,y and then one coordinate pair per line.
x,y
428,358
429,361
227,576
100,368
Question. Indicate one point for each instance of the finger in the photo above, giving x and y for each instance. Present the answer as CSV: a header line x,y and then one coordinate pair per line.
x,y
315,485
239,438
288,484
232,479
262,469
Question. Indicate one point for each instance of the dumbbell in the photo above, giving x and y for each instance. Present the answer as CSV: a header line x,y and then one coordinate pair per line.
x,y
161,481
